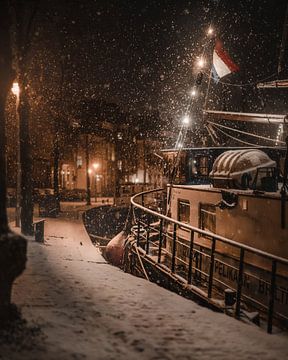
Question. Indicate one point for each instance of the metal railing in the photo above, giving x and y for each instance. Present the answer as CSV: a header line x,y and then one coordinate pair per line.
x,y
159,236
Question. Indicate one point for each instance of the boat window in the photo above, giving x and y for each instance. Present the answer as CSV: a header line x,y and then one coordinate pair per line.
x,y
184,211
198,168
207,218
203,165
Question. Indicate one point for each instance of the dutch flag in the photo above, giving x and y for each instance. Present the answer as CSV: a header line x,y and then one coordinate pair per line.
x,y
222,63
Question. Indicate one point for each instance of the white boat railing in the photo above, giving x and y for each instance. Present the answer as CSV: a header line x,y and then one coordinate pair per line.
x,y
154,230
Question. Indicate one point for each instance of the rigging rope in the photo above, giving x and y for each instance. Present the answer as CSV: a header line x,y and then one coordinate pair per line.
x,y
234,138
246,133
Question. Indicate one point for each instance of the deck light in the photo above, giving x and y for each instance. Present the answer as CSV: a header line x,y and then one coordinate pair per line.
x,y
186,120
193,93
201,62
210,31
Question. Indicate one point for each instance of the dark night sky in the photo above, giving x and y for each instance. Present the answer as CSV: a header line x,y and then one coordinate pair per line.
x,y
141,54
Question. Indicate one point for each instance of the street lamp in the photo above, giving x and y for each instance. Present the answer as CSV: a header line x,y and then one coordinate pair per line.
x,y
16,91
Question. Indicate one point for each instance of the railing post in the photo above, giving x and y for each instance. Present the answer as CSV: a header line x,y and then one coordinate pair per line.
x,y
201,250
211,269
240,283
138,233
189,278
142,199
160,240
147,238
173,249
272,295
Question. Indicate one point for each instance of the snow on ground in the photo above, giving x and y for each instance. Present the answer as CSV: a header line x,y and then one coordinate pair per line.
x,y
88,309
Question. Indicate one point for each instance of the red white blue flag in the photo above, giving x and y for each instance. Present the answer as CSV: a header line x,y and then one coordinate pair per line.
x,y
222,63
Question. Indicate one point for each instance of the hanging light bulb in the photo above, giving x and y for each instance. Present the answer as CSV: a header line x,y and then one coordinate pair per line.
x,y
201,62
186,120
210,31
193,93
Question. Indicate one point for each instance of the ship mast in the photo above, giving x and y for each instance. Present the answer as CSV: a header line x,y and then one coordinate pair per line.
x,y
283,43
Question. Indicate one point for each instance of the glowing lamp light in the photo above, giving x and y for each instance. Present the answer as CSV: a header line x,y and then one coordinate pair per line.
x,y
89,171
210,31
201,62
15,89
95,165
193,93
186,120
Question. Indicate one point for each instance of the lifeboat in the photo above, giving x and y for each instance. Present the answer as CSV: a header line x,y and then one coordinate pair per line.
x,y
244,169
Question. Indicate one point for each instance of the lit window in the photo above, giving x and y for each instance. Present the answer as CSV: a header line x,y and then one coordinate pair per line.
x,y
79,162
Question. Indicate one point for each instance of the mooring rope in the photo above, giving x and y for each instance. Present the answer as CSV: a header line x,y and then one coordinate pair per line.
x,y
134,244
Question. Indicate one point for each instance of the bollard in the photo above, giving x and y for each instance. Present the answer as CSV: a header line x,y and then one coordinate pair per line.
x,y
39,230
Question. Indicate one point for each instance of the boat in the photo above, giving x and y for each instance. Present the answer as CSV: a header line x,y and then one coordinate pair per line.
x,y
224,227
223,231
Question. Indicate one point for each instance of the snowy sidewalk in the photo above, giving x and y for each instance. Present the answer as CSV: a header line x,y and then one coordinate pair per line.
x,y
87,309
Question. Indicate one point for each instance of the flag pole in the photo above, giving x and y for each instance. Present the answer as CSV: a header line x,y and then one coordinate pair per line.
x,y
209,83
207,91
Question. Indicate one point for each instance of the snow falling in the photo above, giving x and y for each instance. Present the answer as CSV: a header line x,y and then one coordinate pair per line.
x,y
98,90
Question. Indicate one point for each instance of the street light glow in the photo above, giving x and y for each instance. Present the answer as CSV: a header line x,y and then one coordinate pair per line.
x,y
15,89
95,165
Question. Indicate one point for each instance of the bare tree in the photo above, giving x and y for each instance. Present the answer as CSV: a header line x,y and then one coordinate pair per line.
x,y
25,12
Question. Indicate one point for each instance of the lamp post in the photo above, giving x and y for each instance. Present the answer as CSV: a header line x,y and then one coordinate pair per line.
x,y
95,167
16,91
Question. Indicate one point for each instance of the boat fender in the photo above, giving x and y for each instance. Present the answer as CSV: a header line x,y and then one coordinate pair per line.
x,y
115,249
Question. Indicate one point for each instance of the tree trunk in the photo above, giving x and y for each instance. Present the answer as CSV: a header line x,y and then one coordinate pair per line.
x,y
88,185
26,162
3,213
56,156
24,18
